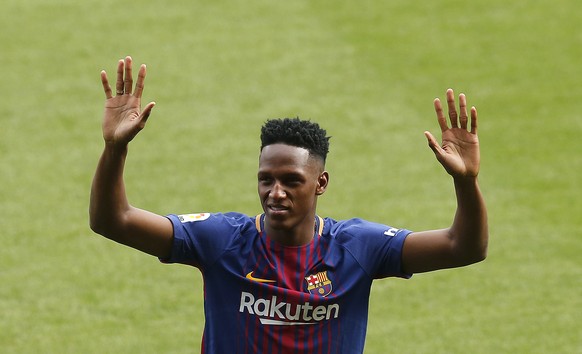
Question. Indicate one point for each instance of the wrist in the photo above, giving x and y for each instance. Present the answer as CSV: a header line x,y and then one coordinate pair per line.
x,y
115,148
465,181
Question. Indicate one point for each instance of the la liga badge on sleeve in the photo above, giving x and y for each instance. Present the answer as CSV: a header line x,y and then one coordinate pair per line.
x,y
193,217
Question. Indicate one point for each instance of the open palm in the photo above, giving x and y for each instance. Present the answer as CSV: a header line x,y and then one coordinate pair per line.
x,y
123,117
459,150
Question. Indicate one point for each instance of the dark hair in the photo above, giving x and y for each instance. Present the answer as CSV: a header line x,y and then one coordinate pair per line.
x,y
296,132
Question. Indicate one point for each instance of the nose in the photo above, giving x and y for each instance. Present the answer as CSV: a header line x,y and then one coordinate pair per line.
x,y
277,192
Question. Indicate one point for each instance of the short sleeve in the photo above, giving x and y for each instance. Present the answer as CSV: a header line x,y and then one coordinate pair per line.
x,y
199,239
376,247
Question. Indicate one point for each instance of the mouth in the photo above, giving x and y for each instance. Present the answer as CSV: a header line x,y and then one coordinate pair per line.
x,y
277,209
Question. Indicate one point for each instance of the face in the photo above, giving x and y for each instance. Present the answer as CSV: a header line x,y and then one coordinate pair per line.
x,y
289,181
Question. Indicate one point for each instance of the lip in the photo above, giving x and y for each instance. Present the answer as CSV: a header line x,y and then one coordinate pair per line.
x,y
276,209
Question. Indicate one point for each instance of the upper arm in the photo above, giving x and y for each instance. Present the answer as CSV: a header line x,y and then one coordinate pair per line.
x,y
145,231
430,250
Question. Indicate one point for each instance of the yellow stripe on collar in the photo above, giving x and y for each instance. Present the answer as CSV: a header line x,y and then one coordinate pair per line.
x,y
321,222
258,222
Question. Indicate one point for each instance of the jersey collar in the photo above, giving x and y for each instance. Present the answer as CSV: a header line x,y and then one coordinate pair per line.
x,y
260,223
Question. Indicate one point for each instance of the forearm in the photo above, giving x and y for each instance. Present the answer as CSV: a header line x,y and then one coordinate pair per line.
x,y
112,216
108,202
470,231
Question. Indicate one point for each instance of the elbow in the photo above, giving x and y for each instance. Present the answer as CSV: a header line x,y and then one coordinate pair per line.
x,y
103,221
105,229
471,254
484,253
483,248
96,225
473,248
101,225
479,254
469,259
108,226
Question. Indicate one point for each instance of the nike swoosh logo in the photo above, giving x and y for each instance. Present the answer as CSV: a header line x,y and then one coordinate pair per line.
x,y
259,280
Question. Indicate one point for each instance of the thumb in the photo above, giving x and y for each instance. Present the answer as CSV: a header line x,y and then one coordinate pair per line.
x,y
145,114
433,143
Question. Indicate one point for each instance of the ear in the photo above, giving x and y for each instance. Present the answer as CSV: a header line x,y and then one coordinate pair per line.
x,y
322,182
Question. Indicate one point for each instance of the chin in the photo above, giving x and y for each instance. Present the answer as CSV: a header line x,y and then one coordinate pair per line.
x,y
278,223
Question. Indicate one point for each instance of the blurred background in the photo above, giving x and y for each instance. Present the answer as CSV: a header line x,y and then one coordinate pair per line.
x,y
368,72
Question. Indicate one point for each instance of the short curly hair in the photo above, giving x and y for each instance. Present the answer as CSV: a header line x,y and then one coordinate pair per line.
x,y
296,132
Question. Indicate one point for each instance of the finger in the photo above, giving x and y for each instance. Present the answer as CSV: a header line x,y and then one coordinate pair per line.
x,y
440,115
105,83
473,120
139,85
433,144
119,82
128,82
463,111
145,113
452,108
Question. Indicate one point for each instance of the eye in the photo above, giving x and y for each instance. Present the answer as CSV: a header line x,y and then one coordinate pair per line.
x,y
265,179
293,181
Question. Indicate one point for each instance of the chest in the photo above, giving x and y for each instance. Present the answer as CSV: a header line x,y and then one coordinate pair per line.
x,y
320,268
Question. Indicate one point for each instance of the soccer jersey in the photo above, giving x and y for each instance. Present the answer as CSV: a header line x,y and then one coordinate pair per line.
x,y
263,297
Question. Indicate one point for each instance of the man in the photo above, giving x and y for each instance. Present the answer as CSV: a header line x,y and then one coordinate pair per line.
x,y
287,281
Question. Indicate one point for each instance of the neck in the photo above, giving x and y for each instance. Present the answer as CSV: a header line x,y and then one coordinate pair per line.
x,y
299,235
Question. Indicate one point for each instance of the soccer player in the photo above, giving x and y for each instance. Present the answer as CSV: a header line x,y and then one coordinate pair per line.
x,y
288,280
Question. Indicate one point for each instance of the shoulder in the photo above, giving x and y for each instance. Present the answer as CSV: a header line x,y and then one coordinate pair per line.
x,y
376,247
212,222
357,227
229,217
200,238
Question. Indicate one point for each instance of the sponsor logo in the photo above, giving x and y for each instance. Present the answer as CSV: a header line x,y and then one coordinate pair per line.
x,y
391,232
280,313
319,284
259,280
193,217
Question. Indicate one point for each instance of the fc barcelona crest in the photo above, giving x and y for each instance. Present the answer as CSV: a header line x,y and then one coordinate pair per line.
x,y
319,284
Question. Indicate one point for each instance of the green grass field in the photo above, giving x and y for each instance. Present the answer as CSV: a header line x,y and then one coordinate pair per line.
x,y
368,72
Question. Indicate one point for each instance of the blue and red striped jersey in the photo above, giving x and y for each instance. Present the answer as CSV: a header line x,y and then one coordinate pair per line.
x,y
262,297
